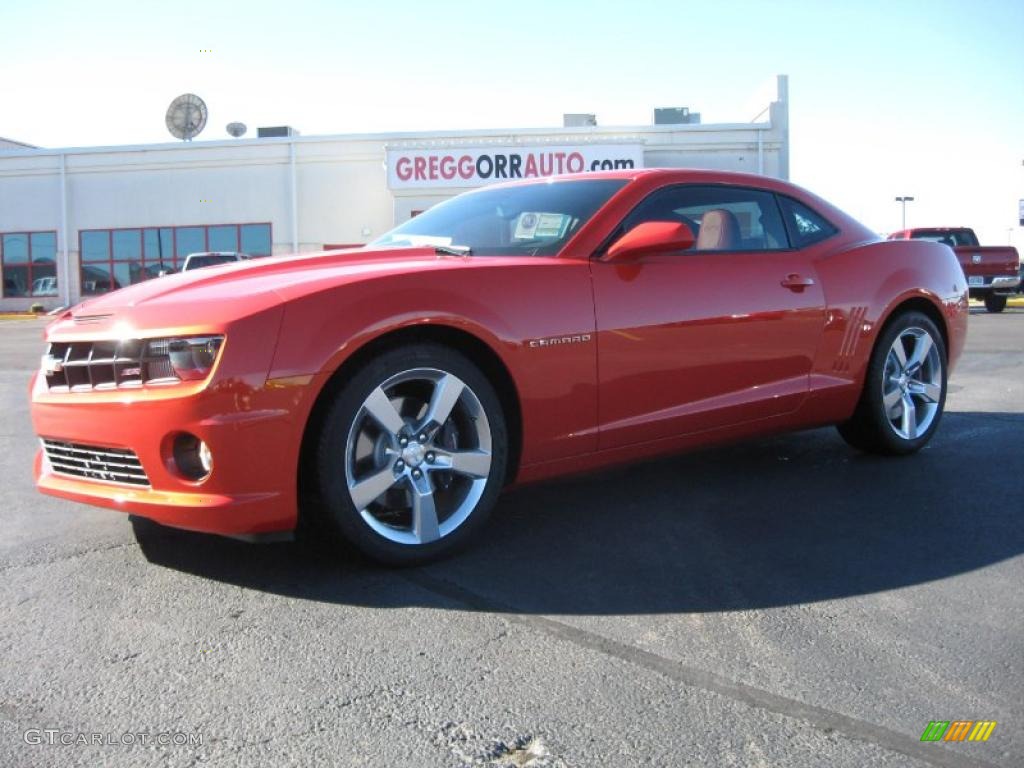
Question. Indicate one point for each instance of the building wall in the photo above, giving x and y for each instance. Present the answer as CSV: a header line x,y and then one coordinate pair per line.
x,y
340,192
11,144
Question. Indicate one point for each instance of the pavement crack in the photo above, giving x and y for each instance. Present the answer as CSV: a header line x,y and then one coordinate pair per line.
x,y
820,718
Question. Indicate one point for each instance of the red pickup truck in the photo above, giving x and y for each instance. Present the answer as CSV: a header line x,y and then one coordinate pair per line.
x,y
992,271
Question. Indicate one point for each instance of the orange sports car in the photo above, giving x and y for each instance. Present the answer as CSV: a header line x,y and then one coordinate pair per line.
x,y
387,394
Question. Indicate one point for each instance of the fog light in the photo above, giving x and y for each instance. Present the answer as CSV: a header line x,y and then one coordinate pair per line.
x,y
192,457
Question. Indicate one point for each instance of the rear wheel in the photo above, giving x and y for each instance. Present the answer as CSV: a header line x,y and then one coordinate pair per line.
x,y
412,456
994,302
904,390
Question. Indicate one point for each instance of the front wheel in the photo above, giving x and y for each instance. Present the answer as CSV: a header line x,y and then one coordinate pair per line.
x,y
904,390
412,455
994,302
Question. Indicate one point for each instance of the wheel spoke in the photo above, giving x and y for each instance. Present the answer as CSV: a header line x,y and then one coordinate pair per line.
x,y
383,412
922,346
471,463
891,398
899,353
365,491
909,421
424,512
927,391
447,392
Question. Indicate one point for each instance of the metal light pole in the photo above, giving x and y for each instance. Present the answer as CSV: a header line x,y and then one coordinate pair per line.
x,y
903,202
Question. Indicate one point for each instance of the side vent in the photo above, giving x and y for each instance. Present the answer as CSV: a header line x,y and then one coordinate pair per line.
x,y
851,338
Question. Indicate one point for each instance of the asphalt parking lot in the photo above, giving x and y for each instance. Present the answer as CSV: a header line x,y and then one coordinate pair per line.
x,y
787,602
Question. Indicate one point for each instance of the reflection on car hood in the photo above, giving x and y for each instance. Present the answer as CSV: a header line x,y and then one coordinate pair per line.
x,y
267,280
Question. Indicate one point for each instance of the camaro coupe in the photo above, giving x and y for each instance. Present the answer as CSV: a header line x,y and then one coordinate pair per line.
x,y
385,395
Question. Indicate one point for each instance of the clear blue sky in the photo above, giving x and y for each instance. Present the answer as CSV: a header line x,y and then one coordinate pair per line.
x,y
887,98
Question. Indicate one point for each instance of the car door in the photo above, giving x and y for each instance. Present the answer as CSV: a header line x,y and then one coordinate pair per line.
x,y
722,333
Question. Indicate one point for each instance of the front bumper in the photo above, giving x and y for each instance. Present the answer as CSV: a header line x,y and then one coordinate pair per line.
x,y
230,515
252,488
252,424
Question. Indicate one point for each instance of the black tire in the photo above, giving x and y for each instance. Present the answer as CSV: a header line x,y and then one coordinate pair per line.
x,y
871,428
349,425
994,302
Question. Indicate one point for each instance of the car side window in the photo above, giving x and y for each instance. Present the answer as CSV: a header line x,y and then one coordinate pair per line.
x,y
805,226
723,218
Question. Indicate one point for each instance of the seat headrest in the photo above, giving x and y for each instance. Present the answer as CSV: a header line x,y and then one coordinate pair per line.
x,y
719,231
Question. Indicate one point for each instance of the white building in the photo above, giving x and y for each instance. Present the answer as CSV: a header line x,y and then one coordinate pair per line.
x,y
77,222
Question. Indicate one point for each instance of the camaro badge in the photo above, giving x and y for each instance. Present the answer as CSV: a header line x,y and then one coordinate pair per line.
x,y
552,341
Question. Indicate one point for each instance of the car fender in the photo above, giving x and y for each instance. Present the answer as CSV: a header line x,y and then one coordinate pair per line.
x,y
903,271
556,387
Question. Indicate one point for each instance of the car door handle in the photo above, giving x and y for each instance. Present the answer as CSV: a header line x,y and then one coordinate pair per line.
x,y
796,282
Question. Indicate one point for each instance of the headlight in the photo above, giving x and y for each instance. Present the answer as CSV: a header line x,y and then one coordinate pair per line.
x,y
189,359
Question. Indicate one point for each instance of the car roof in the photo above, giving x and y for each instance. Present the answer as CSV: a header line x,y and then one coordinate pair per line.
x,y
655,175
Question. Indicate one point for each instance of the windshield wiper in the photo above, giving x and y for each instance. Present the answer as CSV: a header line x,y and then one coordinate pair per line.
x,y
453,250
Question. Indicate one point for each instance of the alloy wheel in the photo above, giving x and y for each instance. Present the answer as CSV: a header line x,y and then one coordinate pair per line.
x,y
418,456
912,383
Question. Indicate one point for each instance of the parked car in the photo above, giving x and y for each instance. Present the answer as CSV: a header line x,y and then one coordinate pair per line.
x,y
44,286
514,333
211,258
992,271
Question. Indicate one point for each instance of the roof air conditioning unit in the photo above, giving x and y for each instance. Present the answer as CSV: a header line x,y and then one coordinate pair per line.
x,y
276,131
578,120
675,116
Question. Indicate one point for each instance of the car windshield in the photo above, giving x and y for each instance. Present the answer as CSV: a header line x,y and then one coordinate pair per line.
x,y
210,260
530,219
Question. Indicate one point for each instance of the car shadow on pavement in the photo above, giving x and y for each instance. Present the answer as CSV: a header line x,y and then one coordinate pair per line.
x,y
781,521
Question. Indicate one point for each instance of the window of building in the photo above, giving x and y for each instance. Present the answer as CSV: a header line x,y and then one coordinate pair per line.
x,y
189,240
255,239
115,258
29,262
223,238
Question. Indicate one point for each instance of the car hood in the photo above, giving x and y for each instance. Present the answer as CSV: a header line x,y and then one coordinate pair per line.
x,y
219,294
271,276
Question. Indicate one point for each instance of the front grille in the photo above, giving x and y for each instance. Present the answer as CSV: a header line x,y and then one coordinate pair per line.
x,y
111,465
85,365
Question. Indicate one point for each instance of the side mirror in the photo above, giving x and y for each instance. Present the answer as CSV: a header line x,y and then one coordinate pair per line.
x,y
652,237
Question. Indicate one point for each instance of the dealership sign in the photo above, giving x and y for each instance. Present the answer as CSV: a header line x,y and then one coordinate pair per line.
x,y
476,166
